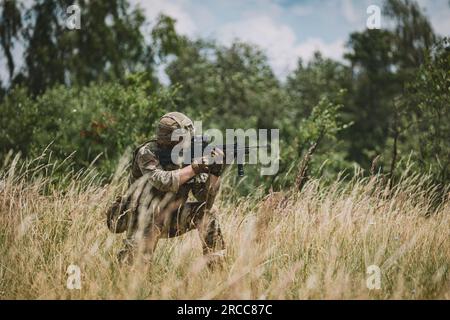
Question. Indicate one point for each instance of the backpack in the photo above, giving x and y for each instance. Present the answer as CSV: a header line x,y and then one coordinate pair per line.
x,y
118,214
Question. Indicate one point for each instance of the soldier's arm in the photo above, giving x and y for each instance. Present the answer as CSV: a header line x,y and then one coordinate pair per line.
x,y
186,174
161,179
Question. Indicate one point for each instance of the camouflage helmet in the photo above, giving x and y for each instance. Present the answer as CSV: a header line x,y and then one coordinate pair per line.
x,y
169,123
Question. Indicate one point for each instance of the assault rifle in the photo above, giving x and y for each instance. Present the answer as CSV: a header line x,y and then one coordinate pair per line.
x,y
200,143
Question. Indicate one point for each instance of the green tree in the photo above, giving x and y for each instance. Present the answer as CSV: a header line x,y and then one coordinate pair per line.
x,y
324,123
111,43
375,83
102,119
18,118
228,86
108,45
165,40
382,62
307,84
2,92
414,35
10,28
428,104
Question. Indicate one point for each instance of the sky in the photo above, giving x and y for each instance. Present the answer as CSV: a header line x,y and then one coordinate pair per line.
x,y
284,29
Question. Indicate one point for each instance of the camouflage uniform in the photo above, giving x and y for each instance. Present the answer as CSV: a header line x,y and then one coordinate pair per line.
x,y
156,206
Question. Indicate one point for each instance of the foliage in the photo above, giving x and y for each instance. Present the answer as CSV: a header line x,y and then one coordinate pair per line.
x,y
110,44
86,98
95,120
427,107
375,85
10,26
98,92
317,133
228,86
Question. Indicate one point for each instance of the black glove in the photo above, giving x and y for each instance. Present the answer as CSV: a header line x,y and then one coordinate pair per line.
x,y
214,164
218,157
200,165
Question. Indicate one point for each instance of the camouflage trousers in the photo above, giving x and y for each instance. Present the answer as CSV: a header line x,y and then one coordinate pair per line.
x,y
155,215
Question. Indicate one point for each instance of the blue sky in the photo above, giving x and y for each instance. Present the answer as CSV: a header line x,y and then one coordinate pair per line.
x,y
284,29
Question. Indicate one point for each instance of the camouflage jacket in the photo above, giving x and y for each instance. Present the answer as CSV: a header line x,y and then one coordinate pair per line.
x,y
164,179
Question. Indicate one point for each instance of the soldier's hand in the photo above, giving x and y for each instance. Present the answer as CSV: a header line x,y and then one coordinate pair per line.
x,y
218,165
200,165
214,164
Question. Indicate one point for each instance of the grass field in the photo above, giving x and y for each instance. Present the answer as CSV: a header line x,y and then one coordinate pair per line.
x,y
316,244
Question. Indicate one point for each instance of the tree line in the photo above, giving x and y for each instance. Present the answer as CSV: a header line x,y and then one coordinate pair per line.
x,y
96,92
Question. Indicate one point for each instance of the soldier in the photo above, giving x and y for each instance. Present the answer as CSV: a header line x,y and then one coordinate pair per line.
x,y
156,205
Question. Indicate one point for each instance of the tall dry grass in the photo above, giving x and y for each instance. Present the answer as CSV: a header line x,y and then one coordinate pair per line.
x,y
311,245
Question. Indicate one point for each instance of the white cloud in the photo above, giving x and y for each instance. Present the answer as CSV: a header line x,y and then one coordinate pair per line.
x,y
442,24
279,42
334,50
260,7
3,72
274,26
301,11
438,13
261,22
440,19
177,9
349,12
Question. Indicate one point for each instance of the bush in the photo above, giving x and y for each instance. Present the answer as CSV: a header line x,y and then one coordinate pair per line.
x,y
98,121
